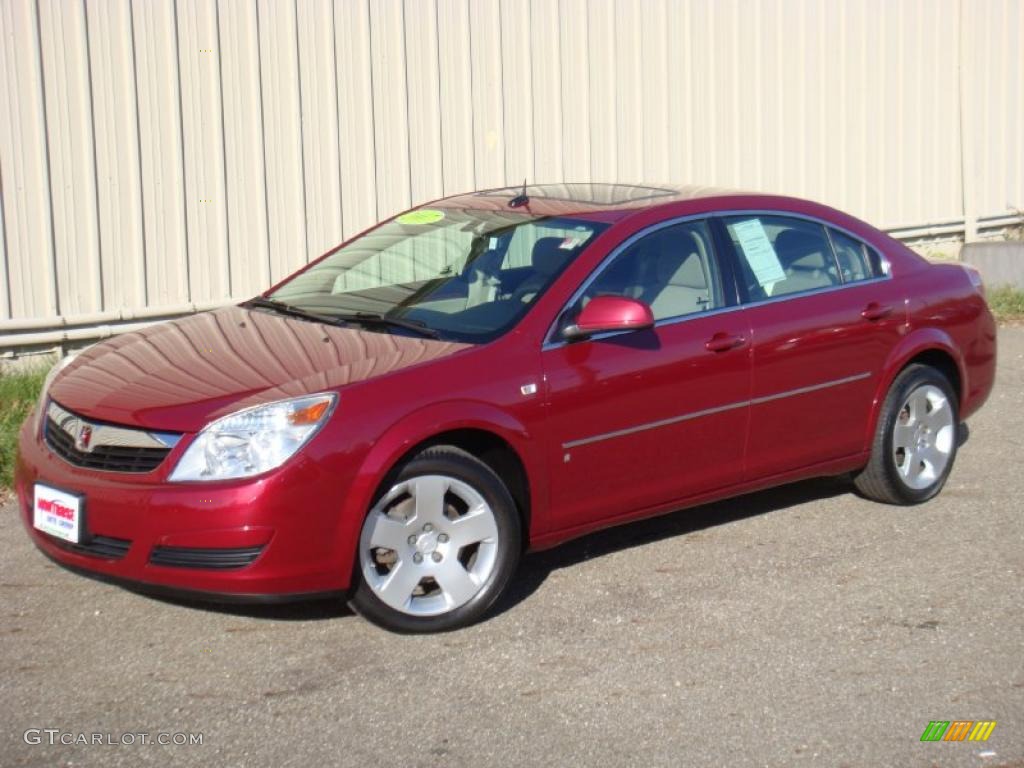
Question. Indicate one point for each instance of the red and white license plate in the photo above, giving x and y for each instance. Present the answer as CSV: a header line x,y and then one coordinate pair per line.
x,y
57,513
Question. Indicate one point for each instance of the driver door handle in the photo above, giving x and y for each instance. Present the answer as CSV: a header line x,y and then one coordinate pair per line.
x,y
723,342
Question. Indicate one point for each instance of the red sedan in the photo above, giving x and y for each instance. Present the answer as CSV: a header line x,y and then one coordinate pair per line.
x,y
502,371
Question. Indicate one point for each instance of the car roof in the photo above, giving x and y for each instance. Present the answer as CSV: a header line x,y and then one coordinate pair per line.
x,y
611,203
588,198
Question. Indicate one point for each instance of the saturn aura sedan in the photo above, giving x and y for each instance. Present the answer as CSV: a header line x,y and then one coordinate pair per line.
x,y
498,372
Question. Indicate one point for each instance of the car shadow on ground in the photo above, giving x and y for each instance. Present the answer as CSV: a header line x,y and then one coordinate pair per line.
x,y
536,567
304,610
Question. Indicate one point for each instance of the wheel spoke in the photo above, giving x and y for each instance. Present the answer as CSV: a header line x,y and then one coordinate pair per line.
x,y
386,532
903,437
456,583
396,587
918,407
935,459
429,493
939,415
475,526
944,438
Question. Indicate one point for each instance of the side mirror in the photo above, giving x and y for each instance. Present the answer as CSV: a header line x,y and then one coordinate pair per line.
x,y
610,313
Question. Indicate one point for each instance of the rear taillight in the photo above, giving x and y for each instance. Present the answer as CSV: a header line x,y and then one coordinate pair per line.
x,y
975,277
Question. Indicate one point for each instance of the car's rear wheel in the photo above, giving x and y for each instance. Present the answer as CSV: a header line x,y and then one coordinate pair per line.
x,y
915,441
438,546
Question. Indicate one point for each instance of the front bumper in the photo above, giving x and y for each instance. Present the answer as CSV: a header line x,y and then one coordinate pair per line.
x,y
273,537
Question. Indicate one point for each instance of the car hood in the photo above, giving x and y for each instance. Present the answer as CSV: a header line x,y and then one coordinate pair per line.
x,y
180,375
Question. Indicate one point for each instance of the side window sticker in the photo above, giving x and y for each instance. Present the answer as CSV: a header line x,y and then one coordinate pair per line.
x,y
759,252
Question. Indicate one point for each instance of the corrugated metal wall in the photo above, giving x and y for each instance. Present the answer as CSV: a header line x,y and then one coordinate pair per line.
x,y
157,153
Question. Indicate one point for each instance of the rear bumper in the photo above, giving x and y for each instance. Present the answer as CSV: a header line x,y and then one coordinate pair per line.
x,y
979,347
272,538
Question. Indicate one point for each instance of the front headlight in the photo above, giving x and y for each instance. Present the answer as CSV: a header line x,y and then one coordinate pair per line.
x,y
44,393
253,440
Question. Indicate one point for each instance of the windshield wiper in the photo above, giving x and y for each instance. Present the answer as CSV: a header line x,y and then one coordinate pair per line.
x,y
288,309
360,318
372,318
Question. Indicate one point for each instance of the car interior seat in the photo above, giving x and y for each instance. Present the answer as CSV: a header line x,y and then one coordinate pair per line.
x,y
547,259
807,260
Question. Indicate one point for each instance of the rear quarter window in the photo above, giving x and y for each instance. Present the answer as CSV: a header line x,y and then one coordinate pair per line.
x,y
856,260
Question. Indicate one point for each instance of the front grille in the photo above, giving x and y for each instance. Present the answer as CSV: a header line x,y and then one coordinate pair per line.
x,y
204,557
111,447
109,457
98,546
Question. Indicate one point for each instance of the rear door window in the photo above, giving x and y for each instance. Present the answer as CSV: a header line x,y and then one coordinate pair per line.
x,y
779,255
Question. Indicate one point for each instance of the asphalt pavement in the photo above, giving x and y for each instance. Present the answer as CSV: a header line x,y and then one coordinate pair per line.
x,y
799,626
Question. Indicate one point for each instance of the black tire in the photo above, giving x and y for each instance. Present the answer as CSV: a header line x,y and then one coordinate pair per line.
x,y
880,480
452,462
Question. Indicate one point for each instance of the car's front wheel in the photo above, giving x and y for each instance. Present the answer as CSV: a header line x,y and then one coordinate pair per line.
x,y
439,545
915,441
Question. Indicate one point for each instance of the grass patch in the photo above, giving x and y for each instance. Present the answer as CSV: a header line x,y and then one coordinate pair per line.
x,y
18,393
1006,303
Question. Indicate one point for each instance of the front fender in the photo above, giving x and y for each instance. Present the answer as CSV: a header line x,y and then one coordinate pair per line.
x,y
917,341
417,427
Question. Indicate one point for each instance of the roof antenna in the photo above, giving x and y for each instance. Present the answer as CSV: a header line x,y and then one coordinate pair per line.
x,y
521,199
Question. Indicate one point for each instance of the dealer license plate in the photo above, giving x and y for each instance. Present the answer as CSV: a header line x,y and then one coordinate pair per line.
x,y
57,513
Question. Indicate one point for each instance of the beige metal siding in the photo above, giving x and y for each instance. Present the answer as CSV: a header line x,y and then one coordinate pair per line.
x,y
357,144
24,168
391,129
168,153
202,131
319,98
74,181
994,44
248,230
282,131
423,86
488,87
158,88
114,112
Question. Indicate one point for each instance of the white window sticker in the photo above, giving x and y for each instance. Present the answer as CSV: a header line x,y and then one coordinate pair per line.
x,y
758,251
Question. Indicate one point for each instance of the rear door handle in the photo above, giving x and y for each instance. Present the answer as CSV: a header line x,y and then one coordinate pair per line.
x,y
723,342
875,311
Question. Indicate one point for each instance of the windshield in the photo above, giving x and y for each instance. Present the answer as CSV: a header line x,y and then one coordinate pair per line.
x,y
465,275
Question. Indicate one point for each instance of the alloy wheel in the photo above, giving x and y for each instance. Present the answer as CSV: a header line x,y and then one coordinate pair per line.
x,y
923,437
429,545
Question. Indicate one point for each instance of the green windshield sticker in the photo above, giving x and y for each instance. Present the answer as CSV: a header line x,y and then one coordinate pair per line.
x,y
759,252
420,217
